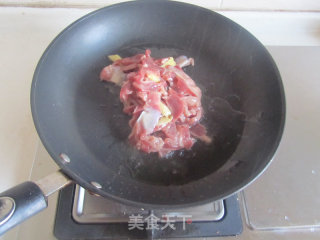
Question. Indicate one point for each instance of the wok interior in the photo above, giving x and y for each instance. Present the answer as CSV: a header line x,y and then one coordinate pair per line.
x,y
78,115
223,120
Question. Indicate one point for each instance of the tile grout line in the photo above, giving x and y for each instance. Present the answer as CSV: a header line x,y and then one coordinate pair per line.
x,y
88,6
29,178
221,4
34,159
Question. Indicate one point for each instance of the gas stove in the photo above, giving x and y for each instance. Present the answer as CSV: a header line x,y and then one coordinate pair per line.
x,y
83,215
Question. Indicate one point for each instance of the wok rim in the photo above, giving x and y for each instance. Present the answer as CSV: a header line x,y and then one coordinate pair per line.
x,y
79,180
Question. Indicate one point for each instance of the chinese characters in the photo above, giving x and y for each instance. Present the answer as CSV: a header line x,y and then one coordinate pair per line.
x,y
153,222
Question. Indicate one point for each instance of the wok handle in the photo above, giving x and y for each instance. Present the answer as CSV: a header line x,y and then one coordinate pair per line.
x,y
27,199
19,203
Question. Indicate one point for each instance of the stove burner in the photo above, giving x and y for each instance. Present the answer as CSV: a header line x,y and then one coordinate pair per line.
x,y
88,208
81,215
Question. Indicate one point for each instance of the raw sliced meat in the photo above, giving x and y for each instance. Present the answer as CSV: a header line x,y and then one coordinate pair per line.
x,y
164,102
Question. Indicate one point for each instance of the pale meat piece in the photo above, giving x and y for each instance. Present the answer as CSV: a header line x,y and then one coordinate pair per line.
x,y
164,102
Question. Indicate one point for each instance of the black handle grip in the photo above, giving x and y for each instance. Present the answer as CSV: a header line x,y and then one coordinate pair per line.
x,y
19,203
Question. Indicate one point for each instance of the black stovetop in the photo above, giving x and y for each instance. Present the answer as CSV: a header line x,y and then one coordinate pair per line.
x,y
67,228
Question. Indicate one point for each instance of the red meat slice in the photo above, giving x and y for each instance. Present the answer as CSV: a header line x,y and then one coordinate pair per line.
x,y
175,105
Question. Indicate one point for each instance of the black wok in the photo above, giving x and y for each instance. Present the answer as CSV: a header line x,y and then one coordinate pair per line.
x,y
81,124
